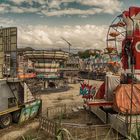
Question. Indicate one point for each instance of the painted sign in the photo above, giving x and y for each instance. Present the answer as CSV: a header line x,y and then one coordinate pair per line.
x,y
30,111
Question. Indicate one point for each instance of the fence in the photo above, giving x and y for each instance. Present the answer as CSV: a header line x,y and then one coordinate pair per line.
x,y
77,131
53,112
84,132
52,125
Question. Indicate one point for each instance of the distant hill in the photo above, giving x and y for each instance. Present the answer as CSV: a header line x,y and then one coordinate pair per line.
x,y
25,49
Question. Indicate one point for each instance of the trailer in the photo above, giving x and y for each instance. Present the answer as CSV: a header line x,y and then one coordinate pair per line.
x,y
17,103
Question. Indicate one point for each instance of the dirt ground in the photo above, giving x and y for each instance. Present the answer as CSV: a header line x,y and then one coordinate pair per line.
x,y
48,99
66,97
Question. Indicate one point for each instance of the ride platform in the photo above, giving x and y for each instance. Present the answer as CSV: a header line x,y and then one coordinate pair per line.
x,y
119,122
99,102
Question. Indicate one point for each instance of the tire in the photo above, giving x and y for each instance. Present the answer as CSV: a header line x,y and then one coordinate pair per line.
x,y
16,116
5,120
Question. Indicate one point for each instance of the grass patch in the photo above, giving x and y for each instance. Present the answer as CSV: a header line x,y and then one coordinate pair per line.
x,y
33,135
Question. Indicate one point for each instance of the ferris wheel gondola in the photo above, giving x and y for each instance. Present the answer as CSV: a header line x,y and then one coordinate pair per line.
x,y
115,36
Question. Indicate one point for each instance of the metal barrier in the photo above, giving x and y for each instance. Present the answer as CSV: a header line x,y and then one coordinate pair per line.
x,y
77,131
52,126
56,111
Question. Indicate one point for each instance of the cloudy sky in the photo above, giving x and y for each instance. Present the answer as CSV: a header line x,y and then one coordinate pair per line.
x,y
42,23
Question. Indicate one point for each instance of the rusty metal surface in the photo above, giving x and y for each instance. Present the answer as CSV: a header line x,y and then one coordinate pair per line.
x,y
122,99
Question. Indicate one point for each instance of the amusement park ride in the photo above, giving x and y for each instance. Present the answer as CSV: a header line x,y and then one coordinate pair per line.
x,y
117,101
46,65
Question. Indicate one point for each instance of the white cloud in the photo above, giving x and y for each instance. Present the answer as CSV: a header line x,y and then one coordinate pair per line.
x,y
18,1
54,4
104,6
107,6
95,7
7,8
43,36
72,11
6,21
83,37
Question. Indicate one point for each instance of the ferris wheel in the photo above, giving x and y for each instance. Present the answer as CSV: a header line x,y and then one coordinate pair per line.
x,y
115,36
